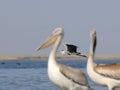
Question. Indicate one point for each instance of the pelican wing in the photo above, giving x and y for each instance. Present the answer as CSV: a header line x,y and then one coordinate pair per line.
x,y
109,70
73,74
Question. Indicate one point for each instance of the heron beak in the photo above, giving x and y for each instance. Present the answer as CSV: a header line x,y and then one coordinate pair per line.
x,y
48,42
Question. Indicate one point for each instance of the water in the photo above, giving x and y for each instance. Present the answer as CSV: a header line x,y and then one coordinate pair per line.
x,y
32,74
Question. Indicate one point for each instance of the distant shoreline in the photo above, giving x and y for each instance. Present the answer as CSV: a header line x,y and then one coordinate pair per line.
x,y
62,57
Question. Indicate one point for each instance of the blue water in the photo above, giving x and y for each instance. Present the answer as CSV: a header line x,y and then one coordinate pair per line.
x,y
32,74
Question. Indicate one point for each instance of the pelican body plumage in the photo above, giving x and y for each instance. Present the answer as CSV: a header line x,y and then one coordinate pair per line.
x,y
102,74
64,77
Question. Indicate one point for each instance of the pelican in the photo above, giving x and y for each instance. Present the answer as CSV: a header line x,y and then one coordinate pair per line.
x,y
71,49
102,74
64,77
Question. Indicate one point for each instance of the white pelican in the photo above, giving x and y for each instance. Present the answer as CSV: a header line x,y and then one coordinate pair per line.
x,y
65,77
102,74
71,49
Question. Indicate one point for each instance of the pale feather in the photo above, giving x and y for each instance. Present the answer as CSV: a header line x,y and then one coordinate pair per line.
x,y
73,74
108,70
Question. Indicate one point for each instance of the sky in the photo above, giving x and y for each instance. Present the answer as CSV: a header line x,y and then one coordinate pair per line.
x,y
25,24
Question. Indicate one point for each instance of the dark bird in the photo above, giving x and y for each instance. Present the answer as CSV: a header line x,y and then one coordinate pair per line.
x,y
71,49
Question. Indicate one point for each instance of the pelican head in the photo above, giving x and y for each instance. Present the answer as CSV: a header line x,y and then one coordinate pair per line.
x,y
52,38
93,39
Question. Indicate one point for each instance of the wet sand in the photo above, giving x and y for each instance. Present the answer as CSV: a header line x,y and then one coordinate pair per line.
x,y
62,57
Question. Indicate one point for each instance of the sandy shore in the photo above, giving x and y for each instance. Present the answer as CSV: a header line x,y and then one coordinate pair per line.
x,y
63,57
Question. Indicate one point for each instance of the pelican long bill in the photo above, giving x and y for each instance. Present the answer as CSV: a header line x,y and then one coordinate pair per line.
x,y
48,42
63,76
102,74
